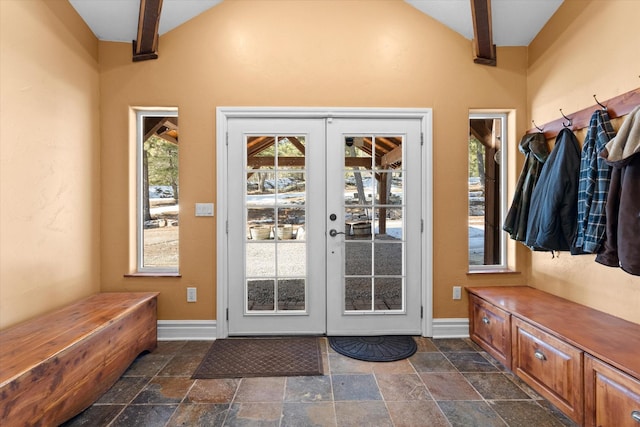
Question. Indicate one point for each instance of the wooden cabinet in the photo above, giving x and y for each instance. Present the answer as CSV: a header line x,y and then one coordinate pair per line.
x,y
584,361
491,326
612,398
550,366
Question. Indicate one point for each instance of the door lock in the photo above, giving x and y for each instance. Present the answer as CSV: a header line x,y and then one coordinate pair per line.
x,y
333,232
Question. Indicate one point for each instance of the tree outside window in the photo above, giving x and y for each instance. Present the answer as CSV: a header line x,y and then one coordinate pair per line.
x,y
158,198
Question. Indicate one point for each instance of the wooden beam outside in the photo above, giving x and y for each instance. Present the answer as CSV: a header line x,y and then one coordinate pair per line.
x,y
153,129
257,162
392,157
484,49
146,45
296,142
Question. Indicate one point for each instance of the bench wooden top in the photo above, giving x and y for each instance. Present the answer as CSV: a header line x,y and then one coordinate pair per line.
x,y
27,344
611,339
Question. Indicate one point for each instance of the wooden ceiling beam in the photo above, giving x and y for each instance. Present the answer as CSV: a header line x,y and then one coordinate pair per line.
x,y
484,49
146,45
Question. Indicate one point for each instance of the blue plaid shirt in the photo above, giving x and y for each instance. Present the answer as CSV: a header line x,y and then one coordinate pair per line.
x,y
593,186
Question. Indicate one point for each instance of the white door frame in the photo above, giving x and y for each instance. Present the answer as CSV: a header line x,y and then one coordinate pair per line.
x,y
222,261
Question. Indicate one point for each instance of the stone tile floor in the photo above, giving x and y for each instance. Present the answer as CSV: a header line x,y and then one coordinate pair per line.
x,y
448,382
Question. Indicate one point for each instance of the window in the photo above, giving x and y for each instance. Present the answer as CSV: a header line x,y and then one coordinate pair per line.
x,y
157,191
487,191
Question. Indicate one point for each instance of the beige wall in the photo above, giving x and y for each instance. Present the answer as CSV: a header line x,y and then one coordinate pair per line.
x,y
589,47
49,171
66,194
283,53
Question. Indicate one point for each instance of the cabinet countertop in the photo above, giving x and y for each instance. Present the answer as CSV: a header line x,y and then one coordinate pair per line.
x,y
611,339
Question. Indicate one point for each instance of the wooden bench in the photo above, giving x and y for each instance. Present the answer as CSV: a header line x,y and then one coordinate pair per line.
x,y
54,366
584,361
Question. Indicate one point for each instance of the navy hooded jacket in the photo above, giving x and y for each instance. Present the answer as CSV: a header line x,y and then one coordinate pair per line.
x,y
553,211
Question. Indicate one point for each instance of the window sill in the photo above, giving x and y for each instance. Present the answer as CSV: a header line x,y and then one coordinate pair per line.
x,y
154,274
493,271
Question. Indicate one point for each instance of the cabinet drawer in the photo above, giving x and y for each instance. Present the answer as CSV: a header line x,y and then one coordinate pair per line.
x,y
612,398
550,366
490,327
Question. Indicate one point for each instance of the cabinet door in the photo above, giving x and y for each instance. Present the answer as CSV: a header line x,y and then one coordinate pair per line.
x,y
550,366
490,327
612,398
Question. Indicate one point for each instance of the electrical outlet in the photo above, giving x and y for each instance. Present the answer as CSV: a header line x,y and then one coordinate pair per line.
x,y
457,292
192,294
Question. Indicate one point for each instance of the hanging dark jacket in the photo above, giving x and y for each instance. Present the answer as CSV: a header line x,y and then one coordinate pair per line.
x,y
593,186
534,147
552,214
622,245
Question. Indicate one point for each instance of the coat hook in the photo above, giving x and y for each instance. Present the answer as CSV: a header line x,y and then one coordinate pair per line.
x,y
568,123
536,126
603,106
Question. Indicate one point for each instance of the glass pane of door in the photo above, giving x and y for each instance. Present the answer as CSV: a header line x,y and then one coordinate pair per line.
x,y
373,199
373,208
275,212
275,169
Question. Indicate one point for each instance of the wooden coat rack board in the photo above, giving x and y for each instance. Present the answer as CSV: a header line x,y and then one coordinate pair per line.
x,y
617,107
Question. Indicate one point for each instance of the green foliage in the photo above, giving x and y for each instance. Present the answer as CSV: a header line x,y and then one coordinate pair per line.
x,y
476,157
163,163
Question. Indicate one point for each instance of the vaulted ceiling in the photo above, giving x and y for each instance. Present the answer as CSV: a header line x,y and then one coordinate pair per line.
x,y
488,23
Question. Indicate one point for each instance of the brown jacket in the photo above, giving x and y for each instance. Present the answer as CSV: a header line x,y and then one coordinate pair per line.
x,y
622,245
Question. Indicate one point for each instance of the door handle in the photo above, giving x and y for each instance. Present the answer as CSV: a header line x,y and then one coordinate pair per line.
x,y
333,232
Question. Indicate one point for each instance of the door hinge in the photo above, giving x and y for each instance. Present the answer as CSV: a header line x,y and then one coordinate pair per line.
x,y
421,138
227,314
227,139
422,312
422,225
226,227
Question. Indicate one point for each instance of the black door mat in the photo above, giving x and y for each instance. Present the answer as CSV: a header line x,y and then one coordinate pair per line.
x,y
386,348
261,357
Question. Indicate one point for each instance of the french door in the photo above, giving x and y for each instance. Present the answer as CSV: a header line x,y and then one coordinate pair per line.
x,y
323,226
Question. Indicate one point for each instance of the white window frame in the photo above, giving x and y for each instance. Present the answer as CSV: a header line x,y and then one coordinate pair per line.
x,y
504,116
140,115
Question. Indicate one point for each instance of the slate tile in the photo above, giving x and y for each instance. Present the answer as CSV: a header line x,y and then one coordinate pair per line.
x,y
357,414
462,413
449,386
416,414
308,389
524,413
196,414
402,387
470,362
431,362
355,387
144,415
495,386
213,391
295,414
164,390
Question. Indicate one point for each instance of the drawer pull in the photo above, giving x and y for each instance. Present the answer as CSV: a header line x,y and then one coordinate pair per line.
x,y
539,355
635,415
485,320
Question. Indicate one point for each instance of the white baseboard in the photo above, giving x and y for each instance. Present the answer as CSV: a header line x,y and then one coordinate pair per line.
x,y
192,330
186,330
451,328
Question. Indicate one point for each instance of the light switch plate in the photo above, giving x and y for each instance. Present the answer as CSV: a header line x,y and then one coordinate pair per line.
x,y
192,294
204,209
